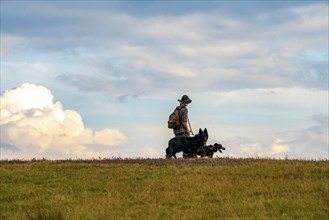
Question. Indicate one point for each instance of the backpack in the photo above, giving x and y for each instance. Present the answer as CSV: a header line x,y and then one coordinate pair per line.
x,y
174,120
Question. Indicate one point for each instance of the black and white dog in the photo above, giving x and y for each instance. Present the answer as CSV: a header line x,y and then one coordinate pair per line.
x,y
209,150
188,145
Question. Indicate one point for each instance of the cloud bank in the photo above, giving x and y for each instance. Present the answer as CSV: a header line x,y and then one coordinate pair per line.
x,y
127,53
33,126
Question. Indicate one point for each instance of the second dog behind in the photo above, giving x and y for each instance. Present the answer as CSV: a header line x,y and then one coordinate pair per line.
x,y
209,150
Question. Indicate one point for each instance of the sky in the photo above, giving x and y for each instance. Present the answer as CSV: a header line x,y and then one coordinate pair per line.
x,y
99,79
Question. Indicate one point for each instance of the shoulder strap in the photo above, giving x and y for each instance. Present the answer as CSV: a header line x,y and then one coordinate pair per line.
x,y
178,109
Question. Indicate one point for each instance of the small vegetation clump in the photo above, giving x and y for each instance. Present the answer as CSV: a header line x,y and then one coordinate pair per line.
x,y
219,188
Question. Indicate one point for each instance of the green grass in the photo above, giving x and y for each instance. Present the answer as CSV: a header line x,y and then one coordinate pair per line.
x,y
165,189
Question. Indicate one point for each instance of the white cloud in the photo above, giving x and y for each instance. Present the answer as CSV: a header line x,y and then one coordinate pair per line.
x,y
310,142
279,146
109,137
281,97
149,151
33,126
252,149
25,97
311,17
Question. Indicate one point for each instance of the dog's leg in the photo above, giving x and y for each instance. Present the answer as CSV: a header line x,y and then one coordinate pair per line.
x,y
169,152
203,153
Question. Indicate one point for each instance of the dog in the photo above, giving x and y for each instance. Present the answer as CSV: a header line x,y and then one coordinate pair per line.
x,y
188,145
208,151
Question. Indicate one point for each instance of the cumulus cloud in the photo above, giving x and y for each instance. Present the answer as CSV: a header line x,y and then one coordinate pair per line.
x,y
33,126
252,149
243,147
150,151
279,146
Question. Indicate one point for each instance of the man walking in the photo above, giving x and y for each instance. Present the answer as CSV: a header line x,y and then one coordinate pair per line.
x,y
183,130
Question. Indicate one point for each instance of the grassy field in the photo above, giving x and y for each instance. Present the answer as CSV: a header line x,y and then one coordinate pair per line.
x,y
222,188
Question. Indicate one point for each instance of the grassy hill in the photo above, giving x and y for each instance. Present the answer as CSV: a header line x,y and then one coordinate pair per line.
x,y
221,188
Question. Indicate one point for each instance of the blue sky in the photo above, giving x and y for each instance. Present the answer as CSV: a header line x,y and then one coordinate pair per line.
x,y
110,73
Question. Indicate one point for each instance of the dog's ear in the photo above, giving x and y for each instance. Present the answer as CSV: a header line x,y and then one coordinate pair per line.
x,y
205,130
200,131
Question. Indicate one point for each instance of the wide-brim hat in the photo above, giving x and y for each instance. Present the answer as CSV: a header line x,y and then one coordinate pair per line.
x,y
185,99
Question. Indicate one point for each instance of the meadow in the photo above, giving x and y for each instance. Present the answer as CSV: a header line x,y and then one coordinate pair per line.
x,y
218,188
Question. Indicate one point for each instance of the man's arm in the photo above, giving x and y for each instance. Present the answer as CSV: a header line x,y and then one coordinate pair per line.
x,y
184,120
186,128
